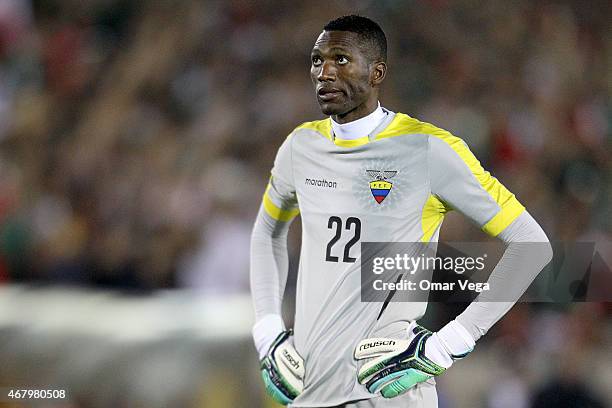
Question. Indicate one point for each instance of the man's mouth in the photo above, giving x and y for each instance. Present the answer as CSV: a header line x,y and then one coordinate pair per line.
x,y
328,94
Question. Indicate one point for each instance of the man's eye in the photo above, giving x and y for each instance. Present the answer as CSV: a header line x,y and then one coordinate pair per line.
x,y
342,60
316,61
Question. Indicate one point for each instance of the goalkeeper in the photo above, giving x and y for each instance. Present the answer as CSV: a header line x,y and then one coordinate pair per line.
x,y
367,174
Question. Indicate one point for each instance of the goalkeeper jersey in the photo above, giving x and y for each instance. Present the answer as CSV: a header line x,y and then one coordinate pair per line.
x,y
393,185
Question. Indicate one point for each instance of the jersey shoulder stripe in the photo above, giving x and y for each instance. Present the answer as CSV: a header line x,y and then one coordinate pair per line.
x,y
323,127
510,207
401,125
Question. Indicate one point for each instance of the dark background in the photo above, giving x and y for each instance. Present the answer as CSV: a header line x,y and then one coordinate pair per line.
x,y
136,138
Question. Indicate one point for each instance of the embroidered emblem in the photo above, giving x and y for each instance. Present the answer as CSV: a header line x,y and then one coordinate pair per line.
x,y
380,187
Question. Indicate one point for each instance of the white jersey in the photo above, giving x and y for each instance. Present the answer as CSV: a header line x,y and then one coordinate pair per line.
x,y
393,185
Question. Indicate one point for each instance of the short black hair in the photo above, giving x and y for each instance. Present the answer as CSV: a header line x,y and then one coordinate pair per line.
x,y
367,29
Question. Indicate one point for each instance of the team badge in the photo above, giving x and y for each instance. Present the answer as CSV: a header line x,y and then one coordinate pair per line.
x,y
380,187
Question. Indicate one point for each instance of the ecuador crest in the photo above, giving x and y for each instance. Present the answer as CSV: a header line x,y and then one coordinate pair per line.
x,y
380,187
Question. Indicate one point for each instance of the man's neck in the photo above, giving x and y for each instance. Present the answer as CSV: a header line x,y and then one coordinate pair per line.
x,y
360,127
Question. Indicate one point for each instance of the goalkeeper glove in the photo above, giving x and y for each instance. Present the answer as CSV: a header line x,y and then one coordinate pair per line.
x,y
399,364
282,370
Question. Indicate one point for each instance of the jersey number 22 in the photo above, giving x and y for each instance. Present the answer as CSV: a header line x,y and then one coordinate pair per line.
x,y
351,223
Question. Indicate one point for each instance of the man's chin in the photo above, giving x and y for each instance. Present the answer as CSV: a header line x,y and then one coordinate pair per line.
x,y
330,109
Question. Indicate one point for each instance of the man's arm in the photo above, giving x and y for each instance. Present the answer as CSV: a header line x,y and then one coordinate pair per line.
x,y
269,265
269,258
282,368
527,253
458,179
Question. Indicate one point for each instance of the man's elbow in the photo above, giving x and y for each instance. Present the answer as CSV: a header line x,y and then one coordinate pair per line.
x,y
547,252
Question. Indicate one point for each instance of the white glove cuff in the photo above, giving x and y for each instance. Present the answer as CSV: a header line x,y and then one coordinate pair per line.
x,y
435,351
455,339
265,331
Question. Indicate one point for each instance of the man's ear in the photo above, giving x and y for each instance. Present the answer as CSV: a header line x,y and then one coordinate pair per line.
x,y
378,73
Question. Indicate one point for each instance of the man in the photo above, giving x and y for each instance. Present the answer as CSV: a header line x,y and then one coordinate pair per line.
x,y
366,174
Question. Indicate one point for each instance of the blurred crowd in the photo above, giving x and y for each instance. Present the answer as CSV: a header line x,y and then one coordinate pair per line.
x,y
136,137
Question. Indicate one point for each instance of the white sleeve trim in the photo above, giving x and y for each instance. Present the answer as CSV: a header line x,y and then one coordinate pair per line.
x,y
456,339
265,331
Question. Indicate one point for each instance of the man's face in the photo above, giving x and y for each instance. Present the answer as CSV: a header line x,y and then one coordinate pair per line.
x,y
341,74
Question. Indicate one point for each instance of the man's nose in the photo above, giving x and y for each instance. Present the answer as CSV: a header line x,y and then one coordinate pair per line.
x,y
327,72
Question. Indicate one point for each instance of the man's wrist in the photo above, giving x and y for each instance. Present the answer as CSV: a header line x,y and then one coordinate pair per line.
x,y
265,331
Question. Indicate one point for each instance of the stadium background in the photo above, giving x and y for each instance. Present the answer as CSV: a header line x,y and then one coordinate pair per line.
x,y
136,138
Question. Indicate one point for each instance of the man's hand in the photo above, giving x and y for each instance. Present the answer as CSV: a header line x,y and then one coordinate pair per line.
x,y
282,370
398,365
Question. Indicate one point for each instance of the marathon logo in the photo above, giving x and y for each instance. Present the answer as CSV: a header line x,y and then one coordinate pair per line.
x,y
321,183
377,344
291,360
